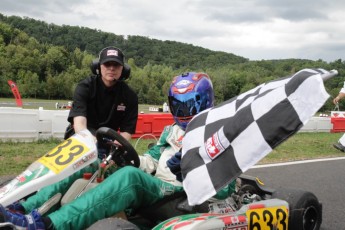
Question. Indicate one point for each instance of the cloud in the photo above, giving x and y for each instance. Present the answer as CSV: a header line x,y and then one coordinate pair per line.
x,y
265,29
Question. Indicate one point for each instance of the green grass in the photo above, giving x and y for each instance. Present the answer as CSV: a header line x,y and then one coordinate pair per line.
x,y
304,146
15,157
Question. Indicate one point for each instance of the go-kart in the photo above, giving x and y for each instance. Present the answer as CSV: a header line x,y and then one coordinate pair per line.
x,y
255,206
72,155
252,206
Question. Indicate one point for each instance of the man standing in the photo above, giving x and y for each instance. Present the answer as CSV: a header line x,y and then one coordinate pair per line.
x,y
105,99
341,143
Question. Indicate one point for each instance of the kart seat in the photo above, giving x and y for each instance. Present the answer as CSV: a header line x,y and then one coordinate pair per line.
x,y
168,207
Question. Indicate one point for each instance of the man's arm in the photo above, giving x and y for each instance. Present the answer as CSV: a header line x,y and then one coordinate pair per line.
x,y
79,123
337,98
126,135
340,95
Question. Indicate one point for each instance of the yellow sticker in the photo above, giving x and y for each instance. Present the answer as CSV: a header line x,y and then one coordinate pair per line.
x,y
268,218
63,155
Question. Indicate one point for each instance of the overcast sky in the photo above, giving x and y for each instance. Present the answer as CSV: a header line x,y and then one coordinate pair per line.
x,y
254,29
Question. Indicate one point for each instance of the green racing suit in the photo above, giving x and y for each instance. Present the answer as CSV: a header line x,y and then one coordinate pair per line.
x,y
128,187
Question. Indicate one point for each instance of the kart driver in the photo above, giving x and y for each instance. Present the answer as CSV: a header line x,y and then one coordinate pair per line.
x,y
131,187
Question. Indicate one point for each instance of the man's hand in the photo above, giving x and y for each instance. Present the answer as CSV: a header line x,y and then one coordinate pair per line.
x,y
336,100
174,164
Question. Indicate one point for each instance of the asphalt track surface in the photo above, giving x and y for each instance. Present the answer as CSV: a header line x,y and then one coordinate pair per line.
x,y
325,178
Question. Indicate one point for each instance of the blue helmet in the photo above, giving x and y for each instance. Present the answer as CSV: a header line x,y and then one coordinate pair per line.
x,y
189,94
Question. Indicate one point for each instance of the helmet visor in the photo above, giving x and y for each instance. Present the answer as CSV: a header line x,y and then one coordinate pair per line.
x,y
184,105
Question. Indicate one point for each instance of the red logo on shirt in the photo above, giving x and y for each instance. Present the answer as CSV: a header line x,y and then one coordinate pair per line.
x,y
121,107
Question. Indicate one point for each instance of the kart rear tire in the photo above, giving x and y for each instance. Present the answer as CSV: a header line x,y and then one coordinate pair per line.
x,y
305,209
6,179
247,188
113,223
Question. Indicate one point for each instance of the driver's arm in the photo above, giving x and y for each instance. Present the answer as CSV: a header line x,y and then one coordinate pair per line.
x,y
149,160
148,164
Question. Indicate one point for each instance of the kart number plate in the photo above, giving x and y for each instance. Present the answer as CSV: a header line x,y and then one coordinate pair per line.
x,y
268,218
63,155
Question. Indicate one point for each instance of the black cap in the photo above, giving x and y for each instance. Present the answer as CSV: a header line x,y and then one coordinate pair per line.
x,y
111,54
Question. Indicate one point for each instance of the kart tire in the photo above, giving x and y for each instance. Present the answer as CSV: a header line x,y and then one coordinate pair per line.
x,y
247,188
113,223
6,179
305,210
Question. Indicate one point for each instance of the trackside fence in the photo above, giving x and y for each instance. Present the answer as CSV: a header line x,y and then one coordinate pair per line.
x,y
25,125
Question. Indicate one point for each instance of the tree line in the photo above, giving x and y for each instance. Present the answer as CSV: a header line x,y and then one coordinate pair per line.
x,y
47,61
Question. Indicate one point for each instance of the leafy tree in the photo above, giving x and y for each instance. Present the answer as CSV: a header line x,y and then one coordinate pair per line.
x,y
56,60
51,87
47,61
6,33
29,84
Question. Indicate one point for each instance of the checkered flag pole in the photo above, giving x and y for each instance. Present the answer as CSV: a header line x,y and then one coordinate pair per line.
x,y
223,142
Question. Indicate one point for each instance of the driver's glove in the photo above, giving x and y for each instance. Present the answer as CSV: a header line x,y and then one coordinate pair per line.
x,y
174,164
16,207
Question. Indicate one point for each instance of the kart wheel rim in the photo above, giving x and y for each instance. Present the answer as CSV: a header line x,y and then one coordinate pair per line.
x,y
310,218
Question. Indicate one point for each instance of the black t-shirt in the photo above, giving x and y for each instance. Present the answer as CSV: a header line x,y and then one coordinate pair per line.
x,y
115,107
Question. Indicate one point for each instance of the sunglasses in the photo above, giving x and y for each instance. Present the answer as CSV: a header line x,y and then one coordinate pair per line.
x,y
111,63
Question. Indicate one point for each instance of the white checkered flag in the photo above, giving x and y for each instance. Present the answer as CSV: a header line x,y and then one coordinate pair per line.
x,y
223,142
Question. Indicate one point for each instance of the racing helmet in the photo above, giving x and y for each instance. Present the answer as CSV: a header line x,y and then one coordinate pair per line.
x,y
189,94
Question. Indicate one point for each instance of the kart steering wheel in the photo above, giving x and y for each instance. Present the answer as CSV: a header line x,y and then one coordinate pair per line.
x,y
124,153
